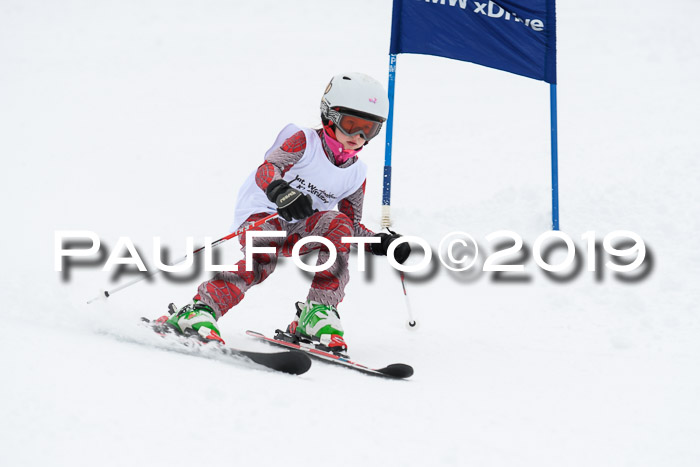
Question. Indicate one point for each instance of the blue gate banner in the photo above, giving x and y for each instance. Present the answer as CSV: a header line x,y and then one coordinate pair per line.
x,y
518,36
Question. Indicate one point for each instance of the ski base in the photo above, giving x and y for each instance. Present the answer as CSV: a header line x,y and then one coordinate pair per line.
x,y
294,363
394,371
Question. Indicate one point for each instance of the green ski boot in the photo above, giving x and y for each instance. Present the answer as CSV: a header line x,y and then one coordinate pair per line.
x,y
197,320
321,324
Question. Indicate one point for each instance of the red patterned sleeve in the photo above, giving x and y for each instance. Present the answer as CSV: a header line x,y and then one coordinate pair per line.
x,y
352,207
279,161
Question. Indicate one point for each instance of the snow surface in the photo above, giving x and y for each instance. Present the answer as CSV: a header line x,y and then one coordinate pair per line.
x,y
142,118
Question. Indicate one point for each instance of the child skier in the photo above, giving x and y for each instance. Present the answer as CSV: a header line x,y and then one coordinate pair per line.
x,y
305,175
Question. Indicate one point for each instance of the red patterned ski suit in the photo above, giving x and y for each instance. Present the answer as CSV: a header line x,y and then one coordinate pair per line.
x,y
226,289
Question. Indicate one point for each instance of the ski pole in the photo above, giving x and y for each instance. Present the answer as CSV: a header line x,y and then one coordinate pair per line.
x,y
411,323
106,293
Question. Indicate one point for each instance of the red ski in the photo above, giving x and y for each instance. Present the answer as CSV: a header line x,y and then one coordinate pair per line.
x,y
394,371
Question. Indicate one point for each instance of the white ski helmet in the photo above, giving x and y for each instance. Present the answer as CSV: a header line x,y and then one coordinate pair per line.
x,y
354,94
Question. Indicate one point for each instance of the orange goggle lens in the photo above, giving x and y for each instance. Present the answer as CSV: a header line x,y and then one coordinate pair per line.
x,y
352,125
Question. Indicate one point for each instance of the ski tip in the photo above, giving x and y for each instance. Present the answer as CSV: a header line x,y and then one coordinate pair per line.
x,y
397,370
301,363
291,362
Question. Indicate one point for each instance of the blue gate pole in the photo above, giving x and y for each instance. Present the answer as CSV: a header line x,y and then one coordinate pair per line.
x,y
555,162
386,196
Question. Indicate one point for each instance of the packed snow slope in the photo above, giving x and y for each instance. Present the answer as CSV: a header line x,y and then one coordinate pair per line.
x,y
142,119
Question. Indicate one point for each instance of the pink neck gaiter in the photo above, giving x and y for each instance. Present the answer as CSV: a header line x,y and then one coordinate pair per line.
x,y
340,154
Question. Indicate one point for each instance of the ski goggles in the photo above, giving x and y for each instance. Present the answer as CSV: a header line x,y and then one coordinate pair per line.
x,y
352,125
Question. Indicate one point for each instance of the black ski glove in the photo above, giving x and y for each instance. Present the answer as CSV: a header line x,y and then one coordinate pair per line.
x,y
291,203
401,252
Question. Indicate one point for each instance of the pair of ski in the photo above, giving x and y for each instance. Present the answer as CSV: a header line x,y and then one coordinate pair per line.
x,y
295,361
